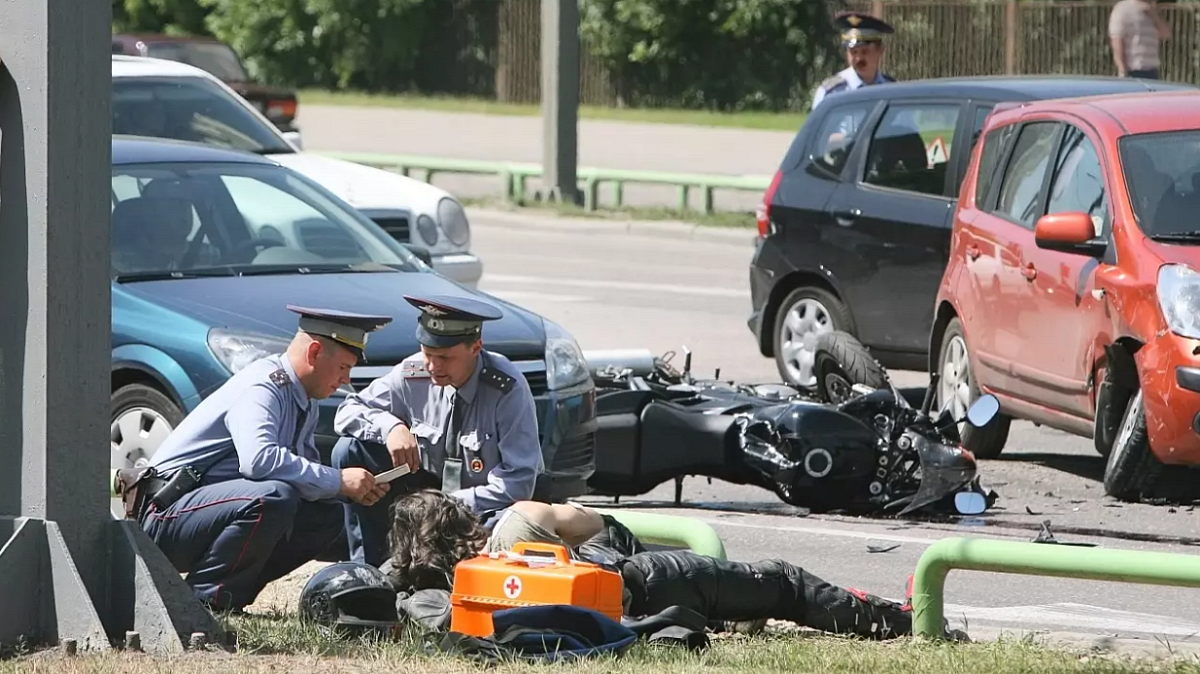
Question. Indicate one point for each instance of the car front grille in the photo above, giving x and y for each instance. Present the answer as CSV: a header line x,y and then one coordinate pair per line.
x,y
396,227
575,452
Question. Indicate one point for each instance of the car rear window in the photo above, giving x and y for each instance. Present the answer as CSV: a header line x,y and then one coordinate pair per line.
x,y
190,109
1162,174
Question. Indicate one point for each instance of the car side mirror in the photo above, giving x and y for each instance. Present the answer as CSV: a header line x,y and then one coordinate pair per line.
x,y
294,138
983,410
421,252
1068,232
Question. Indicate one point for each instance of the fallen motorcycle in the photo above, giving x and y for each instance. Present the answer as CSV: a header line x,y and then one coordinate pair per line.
x,y
857,444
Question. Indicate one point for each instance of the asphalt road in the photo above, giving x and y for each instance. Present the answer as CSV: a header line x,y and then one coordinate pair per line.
x,y
602,143
615,289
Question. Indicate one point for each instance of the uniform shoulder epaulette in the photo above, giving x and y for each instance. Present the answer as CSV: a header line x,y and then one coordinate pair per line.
x,y
497,379
413,369
888,78
833,83
280,378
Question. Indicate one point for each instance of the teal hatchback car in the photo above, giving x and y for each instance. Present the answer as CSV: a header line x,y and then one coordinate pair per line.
x,y
209,245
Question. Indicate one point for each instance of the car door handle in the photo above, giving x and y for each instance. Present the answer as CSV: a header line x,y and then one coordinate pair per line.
x,y
1028,271
973,252
847,217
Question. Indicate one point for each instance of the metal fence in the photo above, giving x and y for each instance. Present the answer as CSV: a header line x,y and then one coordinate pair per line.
x,y
934,38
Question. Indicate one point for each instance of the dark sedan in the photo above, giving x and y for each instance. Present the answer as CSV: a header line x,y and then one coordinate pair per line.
x,y
855,235
209,246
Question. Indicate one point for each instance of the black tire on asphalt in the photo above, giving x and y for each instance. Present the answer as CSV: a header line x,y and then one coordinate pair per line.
x,y
1132,469
987,442
1111,397
839,354
837,311
141,395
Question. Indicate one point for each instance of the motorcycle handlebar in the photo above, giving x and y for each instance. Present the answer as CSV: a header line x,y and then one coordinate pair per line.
x,y
928,402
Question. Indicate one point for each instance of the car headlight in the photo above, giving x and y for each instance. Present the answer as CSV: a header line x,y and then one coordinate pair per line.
x,y
236,350
565,365
427,228
454,221
1179,299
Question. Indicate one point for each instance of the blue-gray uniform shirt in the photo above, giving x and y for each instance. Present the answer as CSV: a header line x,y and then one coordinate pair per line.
x,y
845,80
266,415
501,452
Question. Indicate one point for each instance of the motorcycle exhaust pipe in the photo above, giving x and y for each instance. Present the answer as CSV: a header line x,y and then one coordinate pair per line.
x,y
640,361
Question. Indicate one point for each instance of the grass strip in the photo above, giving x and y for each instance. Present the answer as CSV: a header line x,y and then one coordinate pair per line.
x,y
280,644
767,121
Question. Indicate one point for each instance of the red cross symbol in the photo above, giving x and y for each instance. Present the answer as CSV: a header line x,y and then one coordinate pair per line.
x,y
512,587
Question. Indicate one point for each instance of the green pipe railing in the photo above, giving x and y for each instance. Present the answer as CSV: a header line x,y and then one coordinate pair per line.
x,y
515,176
1036,559
672,530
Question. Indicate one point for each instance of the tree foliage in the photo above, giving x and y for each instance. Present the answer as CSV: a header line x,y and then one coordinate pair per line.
x,y
719,54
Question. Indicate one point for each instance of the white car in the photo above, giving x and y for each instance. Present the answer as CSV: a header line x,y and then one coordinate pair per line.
x,y
167,99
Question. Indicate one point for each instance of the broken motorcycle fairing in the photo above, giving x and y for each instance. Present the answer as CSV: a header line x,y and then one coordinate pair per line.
x,y
875,452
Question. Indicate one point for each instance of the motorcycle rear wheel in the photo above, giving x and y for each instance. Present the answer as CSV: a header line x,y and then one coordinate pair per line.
x,y
840,361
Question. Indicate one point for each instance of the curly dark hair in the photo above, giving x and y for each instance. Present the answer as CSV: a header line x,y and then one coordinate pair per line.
x,y
431,533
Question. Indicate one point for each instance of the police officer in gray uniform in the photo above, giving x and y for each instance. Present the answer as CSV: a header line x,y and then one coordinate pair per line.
x,y
239,494
862,36
461,417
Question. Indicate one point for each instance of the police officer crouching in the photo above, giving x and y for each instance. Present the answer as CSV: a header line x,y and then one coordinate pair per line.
x,y
239,497
461,417
862,36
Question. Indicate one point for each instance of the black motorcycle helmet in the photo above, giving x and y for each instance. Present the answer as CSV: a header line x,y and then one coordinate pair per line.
x,y
351,599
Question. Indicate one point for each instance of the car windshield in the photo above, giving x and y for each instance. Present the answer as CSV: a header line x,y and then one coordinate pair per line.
x,y
1162,173
218,59
192,109
210,219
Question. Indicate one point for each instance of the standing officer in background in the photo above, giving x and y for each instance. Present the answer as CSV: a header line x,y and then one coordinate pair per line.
x,y
238,495
862,36
461,417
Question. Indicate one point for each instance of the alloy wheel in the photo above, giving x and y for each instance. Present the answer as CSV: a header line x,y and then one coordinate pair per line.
x,y
134,436
1128,421
805,321
954,387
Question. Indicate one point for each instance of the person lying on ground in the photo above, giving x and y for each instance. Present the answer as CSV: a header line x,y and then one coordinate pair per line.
x,y
432,532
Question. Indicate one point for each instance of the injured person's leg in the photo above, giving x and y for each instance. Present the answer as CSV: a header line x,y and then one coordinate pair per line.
x,y
740,591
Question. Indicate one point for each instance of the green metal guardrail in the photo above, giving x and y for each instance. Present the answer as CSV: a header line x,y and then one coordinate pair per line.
x,y
515,176
699,536
1036,559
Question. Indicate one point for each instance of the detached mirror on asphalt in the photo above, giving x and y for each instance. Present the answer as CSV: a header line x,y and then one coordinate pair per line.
x,y
969,503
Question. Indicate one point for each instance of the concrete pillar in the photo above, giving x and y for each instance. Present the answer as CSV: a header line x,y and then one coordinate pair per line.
x,y
54,207
70,572
560,99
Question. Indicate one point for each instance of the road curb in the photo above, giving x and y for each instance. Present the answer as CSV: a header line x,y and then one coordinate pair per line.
x,y
492,217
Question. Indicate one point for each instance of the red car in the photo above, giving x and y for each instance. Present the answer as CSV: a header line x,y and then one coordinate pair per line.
x,y
278,104
1072,290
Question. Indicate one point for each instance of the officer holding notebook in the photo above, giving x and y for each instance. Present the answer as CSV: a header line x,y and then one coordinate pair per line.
x,y
461,417
237,495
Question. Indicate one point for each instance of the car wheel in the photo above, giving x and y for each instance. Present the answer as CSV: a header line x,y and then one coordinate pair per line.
x,y
1132,468
142,417
957,390
839,362
805,314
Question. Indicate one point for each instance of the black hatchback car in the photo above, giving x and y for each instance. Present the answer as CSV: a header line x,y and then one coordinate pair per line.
x,y
854,231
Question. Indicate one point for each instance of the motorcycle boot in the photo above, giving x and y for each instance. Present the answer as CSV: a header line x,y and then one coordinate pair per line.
x,y
729,591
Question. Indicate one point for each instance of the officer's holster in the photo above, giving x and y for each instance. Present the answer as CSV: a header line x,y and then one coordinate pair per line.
x,y
135,486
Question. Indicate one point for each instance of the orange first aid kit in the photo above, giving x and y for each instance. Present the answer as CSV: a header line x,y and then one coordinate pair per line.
x,y
503,580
